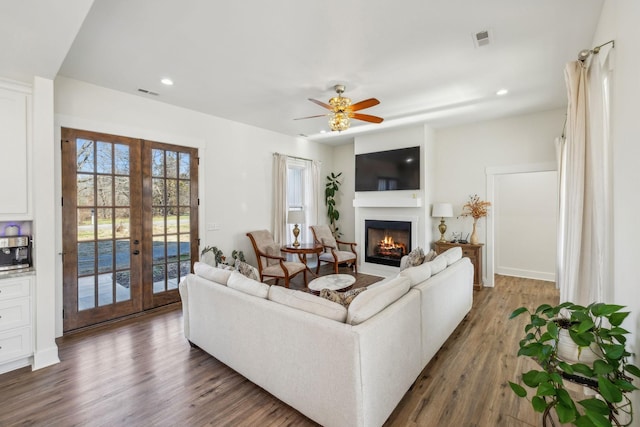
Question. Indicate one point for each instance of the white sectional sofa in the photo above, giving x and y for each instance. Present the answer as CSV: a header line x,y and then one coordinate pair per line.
x,y
338,366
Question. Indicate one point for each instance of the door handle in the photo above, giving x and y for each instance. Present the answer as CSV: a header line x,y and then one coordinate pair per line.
x,y
136,252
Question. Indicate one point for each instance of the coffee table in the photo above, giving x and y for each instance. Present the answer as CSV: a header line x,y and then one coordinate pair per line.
x,y
335,282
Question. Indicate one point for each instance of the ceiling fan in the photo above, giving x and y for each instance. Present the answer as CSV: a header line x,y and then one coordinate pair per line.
x,y
341,110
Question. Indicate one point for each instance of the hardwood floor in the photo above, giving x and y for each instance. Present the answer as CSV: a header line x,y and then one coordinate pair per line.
x,y
142,372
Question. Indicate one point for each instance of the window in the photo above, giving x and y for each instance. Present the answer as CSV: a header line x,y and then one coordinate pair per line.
x,y
299,193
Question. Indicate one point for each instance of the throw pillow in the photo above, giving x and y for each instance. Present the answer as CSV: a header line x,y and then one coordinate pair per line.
x,y
414,258
342,298
430,256
247,270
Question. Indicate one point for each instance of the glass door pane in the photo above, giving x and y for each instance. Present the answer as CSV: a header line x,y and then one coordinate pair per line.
x,y
172,178
100,276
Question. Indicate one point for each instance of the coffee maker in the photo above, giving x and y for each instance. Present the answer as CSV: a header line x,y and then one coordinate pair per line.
x,y
15,253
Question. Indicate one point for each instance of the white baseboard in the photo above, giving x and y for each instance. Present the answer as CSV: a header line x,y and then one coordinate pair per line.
x,y
46,357
527,274
16,364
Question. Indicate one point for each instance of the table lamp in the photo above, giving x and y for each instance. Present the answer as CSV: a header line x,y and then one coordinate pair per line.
x,y
442,210
295,217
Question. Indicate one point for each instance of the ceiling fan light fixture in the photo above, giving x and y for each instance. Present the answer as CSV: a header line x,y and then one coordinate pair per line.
x,y
339,121
340,103
341,110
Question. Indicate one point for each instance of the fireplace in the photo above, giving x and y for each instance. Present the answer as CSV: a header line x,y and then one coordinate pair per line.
x,y
386,242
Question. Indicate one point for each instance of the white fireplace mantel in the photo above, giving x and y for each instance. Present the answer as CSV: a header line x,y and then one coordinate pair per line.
x,y
387,202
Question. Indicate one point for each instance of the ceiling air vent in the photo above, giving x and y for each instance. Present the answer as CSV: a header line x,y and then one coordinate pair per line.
x,y
148,92
482,38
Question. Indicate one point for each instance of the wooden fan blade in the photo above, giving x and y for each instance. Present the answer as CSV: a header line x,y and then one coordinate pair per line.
x,y
322,104
311,117
364,104
366,117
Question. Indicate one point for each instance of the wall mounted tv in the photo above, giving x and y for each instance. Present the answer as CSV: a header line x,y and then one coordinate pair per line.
x,y
388,170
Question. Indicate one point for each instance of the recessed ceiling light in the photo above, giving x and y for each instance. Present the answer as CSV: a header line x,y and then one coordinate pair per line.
x,y
323,131
166,81
502,92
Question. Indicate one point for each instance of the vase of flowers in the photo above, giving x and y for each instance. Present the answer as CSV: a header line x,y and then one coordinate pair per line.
x,y
476,209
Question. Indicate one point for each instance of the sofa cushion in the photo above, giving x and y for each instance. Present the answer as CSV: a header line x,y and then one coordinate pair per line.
x,y
414,258
342,298
308,302
452,255
247,270
248,286
213,274
376,299
438,264
417,274
342,256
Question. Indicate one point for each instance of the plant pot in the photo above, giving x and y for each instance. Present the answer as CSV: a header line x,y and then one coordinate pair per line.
x,y
571,353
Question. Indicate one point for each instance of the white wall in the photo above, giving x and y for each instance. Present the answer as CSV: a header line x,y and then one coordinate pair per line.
x,y
525,217
235,179
619,22
464,153
344,161
46,250
418,135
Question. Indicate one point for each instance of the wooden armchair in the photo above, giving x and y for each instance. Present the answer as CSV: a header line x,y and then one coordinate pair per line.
x,y
332,254
270,262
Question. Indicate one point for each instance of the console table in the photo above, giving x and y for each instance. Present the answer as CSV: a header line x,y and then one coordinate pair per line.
x,y
473,252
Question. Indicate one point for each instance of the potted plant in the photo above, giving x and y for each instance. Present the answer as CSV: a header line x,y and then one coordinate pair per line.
x,y
330,191
212,252
607,373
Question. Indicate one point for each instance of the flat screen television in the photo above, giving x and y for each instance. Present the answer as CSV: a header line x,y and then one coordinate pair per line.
x,y
388,170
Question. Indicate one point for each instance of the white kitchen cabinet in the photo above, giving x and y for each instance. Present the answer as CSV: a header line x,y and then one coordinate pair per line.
x,y
15,118
16,323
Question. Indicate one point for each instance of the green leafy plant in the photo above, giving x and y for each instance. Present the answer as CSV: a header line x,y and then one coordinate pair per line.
x,y
331,189
235,255
596,326
217,253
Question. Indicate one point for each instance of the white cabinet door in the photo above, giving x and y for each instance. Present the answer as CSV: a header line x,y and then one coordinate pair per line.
x,y
14,153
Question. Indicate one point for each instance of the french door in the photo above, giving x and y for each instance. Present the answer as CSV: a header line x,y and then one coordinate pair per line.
x,y
130,224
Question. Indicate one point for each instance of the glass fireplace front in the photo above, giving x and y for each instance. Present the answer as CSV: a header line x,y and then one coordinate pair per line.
x,y
386,242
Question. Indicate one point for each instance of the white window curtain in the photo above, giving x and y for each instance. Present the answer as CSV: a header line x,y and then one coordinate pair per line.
x,y
314,203
280,198
584,231
296,186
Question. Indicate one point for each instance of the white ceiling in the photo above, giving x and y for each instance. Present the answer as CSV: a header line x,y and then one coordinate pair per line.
x,y
257,62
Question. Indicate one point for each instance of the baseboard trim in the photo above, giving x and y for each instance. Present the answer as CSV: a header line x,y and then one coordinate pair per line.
x,y
526,274
46,357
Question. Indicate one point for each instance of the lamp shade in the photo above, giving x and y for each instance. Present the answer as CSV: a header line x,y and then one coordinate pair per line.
x,y
442,210
295,217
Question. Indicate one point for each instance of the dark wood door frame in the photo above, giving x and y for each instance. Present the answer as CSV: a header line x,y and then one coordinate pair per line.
x,y
140,237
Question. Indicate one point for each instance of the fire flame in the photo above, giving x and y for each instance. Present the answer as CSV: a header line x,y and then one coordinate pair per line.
x,y
387,244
